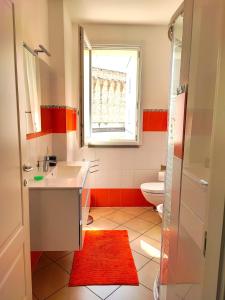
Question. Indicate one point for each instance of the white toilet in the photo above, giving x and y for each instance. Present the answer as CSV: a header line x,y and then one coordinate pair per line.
x,y
154,192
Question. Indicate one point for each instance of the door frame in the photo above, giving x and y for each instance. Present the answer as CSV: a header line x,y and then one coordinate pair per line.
x,y
212,286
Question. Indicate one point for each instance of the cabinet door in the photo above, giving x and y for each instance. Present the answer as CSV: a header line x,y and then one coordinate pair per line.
x,y
15,281
85,199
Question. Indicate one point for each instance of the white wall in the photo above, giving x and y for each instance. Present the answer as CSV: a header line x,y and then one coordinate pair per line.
x,y
32,28
120,167
129,167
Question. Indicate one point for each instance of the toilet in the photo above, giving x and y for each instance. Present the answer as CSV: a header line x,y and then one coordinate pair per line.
x,y
154,192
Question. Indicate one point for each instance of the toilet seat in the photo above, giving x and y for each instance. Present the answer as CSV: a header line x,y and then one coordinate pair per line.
x,y
153,187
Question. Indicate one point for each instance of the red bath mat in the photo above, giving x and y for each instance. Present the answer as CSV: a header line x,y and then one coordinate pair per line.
x,y
105,259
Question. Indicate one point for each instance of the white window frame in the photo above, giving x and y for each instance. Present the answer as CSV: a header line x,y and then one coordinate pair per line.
x,y
121,142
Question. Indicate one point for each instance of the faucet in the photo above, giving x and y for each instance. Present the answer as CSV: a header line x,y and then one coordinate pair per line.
x,y
45,162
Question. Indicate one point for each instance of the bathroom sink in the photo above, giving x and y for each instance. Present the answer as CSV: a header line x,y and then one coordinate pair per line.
x,y
64,171
64,175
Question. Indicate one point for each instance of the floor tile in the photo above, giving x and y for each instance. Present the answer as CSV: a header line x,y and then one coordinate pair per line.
x,y
146,246
131,293
55,255
66,262
119,217
74,293
148,274
138,225
51,277
99,212
139,260
151,216
43,262
103,224
48,280
135,211
131,233
154,233
103,291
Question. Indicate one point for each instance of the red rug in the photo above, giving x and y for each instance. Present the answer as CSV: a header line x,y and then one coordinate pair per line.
x,y
105,259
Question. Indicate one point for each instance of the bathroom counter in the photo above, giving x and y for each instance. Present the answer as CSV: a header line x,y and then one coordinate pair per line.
x,y
67,175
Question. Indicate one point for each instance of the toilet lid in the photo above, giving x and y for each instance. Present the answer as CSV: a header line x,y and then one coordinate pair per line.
x,y
153,187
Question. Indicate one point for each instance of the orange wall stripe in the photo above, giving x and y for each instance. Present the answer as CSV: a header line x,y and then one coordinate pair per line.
x,y
71,120
155,120
117,197
61,119
56,119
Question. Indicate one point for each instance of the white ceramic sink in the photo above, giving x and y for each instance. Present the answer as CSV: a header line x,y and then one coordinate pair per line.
x,y
64,171
64,175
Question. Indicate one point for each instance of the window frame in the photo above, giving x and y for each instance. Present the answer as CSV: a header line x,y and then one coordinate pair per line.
x,y
121,142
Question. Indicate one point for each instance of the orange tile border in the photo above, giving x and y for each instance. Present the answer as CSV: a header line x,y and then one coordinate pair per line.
x,y
116,197
155,120
56,119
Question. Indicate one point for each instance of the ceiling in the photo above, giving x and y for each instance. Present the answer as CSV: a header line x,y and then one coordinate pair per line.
x,y
123,11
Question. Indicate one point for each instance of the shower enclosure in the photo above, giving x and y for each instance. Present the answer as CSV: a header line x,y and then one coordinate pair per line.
x,y
182,257
192,97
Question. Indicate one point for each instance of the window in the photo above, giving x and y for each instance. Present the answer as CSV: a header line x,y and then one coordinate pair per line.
x,y
111,106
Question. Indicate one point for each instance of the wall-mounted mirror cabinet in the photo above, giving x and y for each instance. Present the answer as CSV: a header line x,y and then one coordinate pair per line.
x,y
33,93
36,77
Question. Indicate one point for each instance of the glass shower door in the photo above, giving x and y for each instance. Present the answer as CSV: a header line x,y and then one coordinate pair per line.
x,y
174,168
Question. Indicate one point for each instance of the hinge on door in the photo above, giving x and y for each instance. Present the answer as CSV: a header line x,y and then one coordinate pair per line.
x,y
182,89
205,243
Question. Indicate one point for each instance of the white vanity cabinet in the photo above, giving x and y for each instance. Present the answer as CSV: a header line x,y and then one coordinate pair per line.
x,y
59,208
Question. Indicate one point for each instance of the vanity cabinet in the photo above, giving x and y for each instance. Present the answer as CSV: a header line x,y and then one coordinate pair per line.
x,y
58,215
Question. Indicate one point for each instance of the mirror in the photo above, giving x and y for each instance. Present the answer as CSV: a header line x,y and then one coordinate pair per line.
x,y
85,71
33,97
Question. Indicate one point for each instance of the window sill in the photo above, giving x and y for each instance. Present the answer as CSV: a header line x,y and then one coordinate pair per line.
x,y
114,144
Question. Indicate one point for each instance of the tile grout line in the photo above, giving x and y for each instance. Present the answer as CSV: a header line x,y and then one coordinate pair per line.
x,y
55,292
51,263
57,258
62,268
113,292
133,217
145,264
147,287
85,286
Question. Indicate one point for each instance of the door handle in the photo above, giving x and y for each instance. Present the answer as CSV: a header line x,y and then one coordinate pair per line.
x,y
203,182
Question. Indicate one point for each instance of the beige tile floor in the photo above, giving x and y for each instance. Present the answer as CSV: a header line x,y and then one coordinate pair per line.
x,y
50,279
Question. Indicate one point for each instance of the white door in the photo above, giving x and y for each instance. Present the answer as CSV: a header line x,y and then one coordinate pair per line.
x,y
14,244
